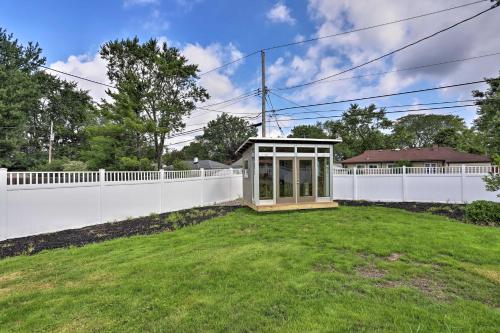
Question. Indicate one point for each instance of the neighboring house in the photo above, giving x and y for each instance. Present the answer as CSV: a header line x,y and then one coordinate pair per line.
x,y
418,157
206,164
196,164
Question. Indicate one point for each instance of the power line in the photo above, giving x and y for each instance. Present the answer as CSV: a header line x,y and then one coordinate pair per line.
x,y
339,34
229,63
292,102
383,107
374,26
385,95
408,68
268,98
386,112
392,52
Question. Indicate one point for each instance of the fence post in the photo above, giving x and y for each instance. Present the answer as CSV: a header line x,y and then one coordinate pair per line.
x,y
355,184
3,204
462,183
231,184
102,179
403,181
162,190
202,175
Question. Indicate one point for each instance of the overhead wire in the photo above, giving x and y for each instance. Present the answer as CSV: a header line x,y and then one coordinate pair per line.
x,y
385,95
272,47
391,52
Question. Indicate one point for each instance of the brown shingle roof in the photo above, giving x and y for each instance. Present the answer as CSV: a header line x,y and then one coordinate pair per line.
x,y
445,154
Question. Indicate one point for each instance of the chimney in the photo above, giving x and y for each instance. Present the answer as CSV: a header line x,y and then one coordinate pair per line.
x,y
435,147
195,160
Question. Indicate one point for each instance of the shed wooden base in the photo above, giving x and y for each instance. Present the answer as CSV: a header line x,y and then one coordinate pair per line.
x,y
293,206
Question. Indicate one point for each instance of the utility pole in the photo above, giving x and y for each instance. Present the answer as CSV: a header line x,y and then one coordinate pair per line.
x,y
50,140
264,91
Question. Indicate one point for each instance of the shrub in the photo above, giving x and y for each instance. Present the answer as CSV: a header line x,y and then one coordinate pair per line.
x,y
483,212
74,166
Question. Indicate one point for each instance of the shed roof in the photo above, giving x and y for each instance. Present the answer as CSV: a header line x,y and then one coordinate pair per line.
x,y
252,140
445,154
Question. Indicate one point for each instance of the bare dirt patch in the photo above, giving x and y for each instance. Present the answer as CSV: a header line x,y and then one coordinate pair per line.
x,y
394,256
10,276
370,272
429,287
324,267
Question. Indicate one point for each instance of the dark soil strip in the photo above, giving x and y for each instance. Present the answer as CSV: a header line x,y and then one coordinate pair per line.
x,y
454,211
97,233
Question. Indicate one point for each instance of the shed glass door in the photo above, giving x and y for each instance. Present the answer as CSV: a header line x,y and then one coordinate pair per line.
x,y
286,177
305,181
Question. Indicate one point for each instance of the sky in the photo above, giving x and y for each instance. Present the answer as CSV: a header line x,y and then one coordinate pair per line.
x,y
213,32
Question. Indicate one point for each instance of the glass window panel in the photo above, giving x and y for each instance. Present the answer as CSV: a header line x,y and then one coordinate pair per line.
x,y
266,149
323,150
306,178
285,178
265,178
323,176
285,149
305,150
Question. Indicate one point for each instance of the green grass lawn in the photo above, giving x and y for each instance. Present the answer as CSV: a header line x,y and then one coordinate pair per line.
x,y
349,269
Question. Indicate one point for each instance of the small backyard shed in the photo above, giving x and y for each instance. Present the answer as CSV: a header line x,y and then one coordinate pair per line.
x,y
287,173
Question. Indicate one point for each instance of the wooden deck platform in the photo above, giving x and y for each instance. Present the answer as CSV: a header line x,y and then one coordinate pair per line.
x,y
293,206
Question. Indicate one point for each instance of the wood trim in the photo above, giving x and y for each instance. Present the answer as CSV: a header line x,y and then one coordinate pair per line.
x,y
293,206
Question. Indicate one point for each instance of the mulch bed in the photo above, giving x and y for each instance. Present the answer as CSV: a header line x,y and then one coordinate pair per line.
x,y
454,211
97,233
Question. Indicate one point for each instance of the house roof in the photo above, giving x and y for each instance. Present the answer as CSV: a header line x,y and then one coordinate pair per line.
x,y
445,154
252,140
206,164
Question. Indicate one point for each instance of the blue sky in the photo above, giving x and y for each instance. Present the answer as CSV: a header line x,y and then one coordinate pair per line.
x,y
212,32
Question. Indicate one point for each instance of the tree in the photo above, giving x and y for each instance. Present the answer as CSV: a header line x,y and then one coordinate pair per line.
x,y
195,149
180,165
29,100
493,180
464,139
224,135
360,130
156,88
420,130
488,121
308,131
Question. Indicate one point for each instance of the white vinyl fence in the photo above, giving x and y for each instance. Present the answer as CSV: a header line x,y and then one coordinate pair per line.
x,y
39,202
33,203
455,184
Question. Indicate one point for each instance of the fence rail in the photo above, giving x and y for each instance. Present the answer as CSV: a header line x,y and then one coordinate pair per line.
x,y
33,203
18,178
449,170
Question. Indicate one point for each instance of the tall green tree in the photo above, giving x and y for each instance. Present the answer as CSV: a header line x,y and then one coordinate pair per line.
x,y
224,135
360,129
487,122
29,100
18,96
308,131
156,89
421,130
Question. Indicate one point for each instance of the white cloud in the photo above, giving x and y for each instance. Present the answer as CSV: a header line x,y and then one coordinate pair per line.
x,y
128,3
299,38
219,84
280,13
93,68
332,55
